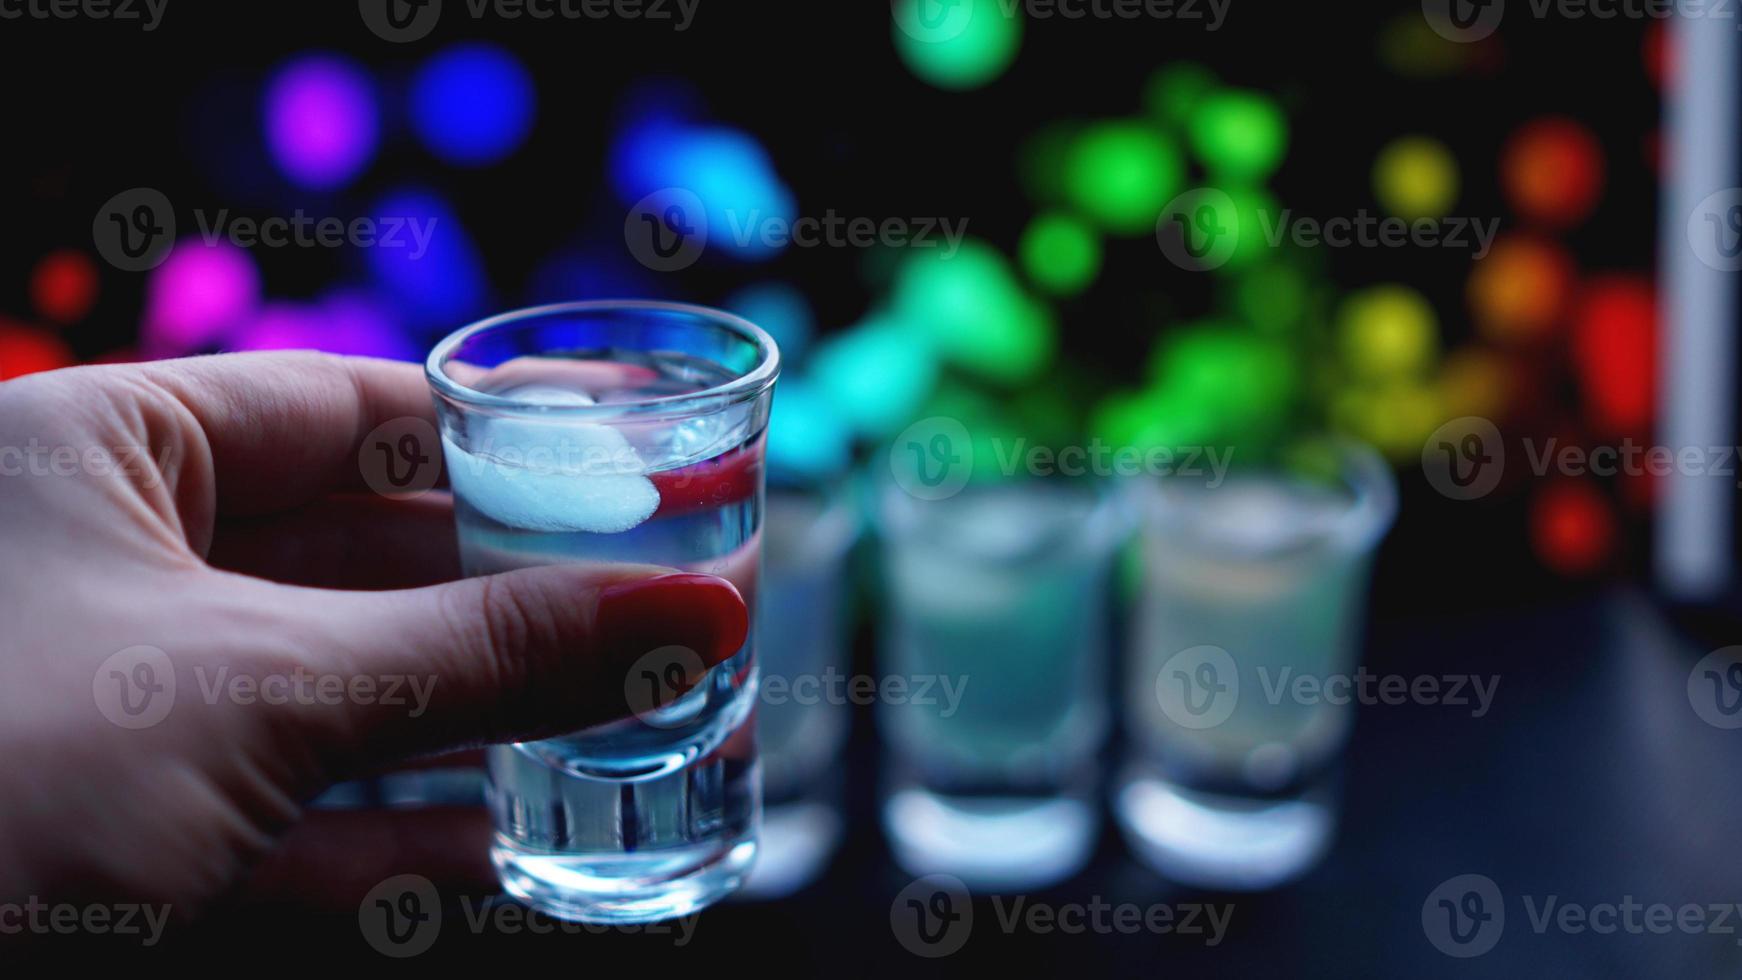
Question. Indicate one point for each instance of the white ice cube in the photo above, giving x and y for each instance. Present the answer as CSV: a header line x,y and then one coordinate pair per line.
x,y
553,477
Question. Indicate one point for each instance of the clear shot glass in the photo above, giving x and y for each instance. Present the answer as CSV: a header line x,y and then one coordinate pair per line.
x,y
994,652
619,432
805,710
1251,582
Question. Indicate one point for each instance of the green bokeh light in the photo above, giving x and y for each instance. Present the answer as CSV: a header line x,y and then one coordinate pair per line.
x,y
1240,136
1061,254
1272,296
1242,381
971,309
1121,174
961,45
1174,92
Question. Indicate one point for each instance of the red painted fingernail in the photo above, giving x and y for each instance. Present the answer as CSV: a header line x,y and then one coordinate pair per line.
x,y
701,612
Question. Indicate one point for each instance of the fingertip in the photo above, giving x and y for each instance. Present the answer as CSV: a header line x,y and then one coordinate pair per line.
x,y
703,613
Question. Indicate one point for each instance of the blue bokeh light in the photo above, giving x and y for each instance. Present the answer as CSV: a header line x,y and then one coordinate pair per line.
x,y
473,104
436,274
780,309
727,169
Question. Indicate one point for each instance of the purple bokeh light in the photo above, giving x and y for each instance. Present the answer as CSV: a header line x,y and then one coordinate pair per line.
x,y
322,121
196,298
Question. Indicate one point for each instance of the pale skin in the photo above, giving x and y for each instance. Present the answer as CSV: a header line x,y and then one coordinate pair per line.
x,y
242,539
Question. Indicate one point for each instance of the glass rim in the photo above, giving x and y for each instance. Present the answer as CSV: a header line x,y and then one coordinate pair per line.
x,y
1372,505
746,386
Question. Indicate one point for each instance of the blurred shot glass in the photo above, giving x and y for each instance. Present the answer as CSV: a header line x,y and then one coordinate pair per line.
x,y
802,721
996,630
1250,584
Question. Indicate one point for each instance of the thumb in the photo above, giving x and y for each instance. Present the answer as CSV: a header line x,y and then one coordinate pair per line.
x,y
520,655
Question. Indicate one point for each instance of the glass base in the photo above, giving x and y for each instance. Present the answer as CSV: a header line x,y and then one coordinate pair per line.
x,y
798,841
991,842
623,889
1214,840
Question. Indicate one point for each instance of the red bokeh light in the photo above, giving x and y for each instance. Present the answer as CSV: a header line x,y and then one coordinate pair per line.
x,y
63,287
1572,527
1614,354
1552,170
24,350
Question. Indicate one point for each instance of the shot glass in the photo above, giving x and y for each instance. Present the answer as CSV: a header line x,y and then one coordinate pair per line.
x,y
1250,583
619,432
994,664
803,718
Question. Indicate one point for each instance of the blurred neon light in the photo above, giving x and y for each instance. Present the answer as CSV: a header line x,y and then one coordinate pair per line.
x,y
446,284
1552,171
780,309
24,350
963,44
344,323
1121,174
1240,136
196,297
63,286
1061,253
1416,177
473,104
322,122
728,170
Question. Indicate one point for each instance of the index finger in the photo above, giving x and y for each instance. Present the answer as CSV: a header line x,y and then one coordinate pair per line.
x,y
283,428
